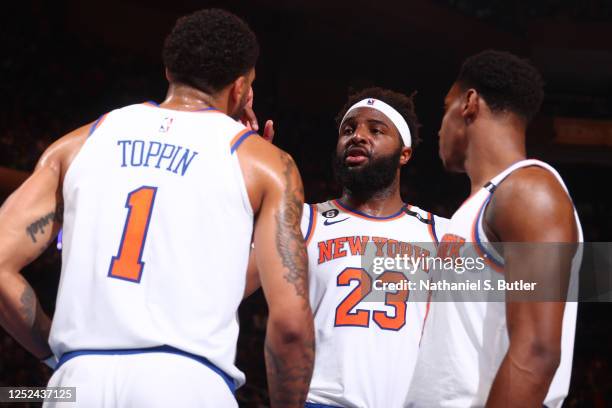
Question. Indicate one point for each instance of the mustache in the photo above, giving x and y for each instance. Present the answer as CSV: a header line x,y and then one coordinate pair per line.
x,y
358,149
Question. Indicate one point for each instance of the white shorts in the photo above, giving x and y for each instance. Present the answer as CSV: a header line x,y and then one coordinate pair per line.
x,y
154,379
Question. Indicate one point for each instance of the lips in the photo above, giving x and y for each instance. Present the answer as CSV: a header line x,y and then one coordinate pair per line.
x,y
355,155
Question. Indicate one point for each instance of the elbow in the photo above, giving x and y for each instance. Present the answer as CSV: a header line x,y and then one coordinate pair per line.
x,y
549,358
542,358
291,329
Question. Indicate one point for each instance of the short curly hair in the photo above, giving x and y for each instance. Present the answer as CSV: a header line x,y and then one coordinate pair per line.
x,y
505,81
404,104
209,49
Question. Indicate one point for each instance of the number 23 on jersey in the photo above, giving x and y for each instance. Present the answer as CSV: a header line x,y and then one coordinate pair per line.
x,y
361,317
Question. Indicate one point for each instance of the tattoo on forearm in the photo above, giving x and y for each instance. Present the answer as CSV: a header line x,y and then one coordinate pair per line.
x,y
32,315
289,379
38,226
289,240
28,305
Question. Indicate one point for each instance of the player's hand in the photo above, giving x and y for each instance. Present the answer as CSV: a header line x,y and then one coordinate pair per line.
x,y
268,133
249,119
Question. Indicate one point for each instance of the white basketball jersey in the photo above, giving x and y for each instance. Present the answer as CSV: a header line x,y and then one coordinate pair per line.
x,y
157,228
366,345
465,341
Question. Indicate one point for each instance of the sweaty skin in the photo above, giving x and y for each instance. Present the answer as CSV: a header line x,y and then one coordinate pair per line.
x,y
32,216
372,134
482,143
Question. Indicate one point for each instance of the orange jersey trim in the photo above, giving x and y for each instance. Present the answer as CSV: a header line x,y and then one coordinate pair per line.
x,y
239,138
313,223
479,250
97,124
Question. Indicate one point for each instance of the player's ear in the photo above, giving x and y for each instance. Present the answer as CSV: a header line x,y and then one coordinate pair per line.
x,y
238,88
405,155
168,75
470,106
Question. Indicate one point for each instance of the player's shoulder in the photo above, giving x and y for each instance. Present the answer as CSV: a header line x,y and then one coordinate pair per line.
x,y
542,199
436,224
537,186
422,214
314,213
325,208
267,170
261,157
525,179
322,210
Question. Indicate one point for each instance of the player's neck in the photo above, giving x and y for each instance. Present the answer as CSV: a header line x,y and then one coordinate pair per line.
x,y
187,98
382,203
489,153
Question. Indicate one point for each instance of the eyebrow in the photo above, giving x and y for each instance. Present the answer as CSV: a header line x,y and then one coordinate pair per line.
x,y
369,121
380,122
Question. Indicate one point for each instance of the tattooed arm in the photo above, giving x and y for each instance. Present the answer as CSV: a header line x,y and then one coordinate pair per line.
x,y
289,346
280,256
29,220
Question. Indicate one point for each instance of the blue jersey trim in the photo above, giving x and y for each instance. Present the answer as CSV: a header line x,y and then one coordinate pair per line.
x,y
317,405
95,125
242,138
349,209
160,349
310,218
432,218
489,255
60,240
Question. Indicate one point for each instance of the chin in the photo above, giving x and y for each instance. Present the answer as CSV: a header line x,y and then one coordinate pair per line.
x,y
355,166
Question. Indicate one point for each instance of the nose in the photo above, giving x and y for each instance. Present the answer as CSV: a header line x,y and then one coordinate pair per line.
x,y
360,134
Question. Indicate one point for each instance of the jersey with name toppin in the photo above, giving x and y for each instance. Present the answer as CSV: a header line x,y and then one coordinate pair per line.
x,y
156,236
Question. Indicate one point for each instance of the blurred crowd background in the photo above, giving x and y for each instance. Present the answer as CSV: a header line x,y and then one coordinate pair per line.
x,y
65,63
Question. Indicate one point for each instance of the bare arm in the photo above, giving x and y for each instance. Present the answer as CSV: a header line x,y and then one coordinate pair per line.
x,y
252,281
29,220
280,257
534,318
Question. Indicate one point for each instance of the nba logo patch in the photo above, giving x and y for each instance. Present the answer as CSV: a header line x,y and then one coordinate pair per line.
x,y
165,125
370,101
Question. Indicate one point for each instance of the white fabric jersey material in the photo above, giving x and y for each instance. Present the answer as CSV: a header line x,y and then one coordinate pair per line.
x,y
464,341
157,228
365,347
151,380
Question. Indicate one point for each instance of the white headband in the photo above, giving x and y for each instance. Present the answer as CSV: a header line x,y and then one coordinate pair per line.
x,y
393,115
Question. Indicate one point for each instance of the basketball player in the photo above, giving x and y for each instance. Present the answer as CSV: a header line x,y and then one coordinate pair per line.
x,y
516,353
158,204
367,337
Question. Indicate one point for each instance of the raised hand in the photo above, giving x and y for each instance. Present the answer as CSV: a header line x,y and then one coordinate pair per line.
x,y
249,119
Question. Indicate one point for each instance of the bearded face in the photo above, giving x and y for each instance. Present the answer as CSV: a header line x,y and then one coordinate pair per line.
x,y
376,173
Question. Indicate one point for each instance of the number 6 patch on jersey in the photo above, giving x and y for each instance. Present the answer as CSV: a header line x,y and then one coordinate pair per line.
x,y
127,264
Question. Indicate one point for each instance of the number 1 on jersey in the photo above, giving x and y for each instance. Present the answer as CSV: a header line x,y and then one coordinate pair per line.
x,y
127,264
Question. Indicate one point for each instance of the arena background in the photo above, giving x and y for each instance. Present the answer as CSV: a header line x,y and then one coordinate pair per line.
x,y
66,62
